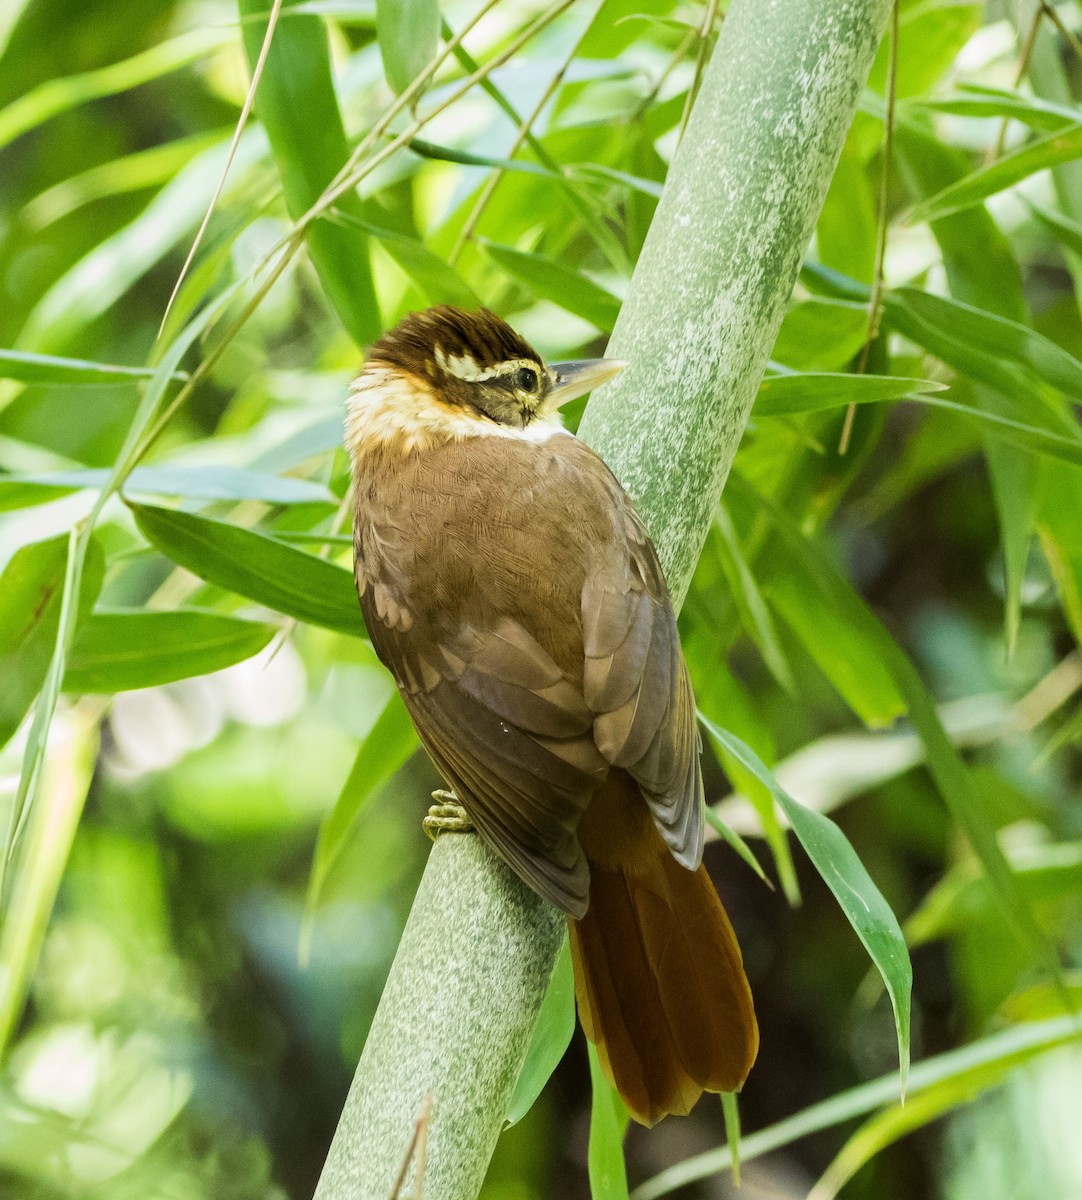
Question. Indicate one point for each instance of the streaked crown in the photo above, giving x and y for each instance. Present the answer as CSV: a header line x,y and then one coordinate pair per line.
x,y
470,360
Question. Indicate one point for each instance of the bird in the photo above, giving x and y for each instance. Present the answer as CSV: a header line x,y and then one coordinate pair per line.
x,y
513,591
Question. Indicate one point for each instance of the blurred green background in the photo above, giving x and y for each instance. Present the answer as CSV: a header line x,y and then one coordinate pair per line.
x,y
183,997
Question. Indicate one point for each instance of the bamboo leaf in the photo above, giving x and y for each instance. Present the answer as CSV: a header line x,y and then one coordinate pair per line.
x,y
298,108
31,592
781,395
408,32
987,347
255,565
843,872
117,650
952,777
193,483
550,280
389,743
101,277
608,1123
985,102
1061,146
27,367
1067,232
1010,1047
754,613
55,96
551,1037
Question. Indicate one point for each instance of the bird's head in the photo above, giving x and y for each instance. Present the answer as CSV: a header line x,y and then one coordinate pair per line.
x,y
446,373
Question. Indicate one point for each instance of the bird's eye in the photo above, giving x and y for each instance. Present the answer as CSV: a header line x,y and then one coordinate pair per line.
x,y
526,379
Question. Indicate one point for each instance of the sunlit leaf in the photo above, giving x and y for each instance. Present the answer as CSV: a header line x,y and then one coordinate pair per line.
x,y
117,650
196,483
973,100
94,283
551,280
408,32
1060,146
255,565
780,395
58,95
297,106
27,367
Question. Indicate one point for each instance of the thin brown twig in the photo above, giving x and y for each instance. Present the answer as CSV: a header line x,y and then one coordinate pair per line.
x,y
1068,35
700,63
288,246
875,304
493,181
1019,75
418,1143
242,120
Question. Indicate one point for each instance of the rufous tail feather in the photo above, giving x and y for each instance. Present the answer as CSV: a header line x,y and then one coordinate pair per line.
x,y
660,985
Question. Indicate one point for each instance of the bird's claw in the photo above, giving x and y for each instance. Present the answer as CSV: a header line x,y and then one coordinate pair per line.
x,y
446,816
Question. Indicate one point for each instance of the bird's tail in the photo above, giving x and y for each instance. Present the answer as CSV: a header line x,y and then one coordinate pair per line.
x,y
660,985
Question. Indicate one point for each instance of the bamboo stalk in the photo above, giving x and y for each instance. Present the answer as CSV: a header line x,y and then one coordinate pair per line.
x,y
699,322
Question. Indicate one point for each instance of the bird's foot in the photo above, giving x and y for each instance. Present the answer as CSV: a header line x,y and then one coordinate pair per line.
x,y
446,816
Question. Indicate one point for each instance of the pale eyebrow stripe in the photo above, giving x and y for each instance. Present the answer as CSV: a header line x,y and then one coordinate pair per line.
x,y
464,366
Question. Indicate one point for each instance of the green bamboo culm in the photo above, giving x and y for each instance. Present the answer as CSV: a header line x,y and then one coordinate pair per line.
x,y
705,304
722,255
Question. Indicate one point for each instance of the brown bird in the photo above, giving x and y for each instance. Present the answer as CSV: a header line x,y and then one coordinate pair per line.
x,y
513,591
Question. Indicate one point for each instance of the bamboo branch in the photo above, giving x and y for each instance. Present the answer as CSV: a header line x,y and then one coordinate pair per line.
x,y
708,295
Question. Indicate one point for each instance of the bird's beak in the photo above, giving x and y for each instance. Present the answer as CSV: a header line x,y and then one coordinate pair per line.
x,y
574,379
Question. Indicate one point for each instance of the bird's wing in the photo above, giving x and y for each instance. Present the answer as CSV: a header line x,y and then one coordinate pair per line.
x,y
502,722
637,682
525,740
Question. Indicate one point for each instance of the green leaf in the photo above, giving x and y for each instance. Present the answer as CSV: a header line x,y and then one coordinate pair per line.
x,y
1066,231
255,565
733,839
551,1037
781,395
389,743
843,872
1059,523
1010,1047
895,1122
149,168
821,335
20,494
1060,146
118,650
814,574
45,368
298,108
754,613
31,591
58,95
193,483
408,32
89,288
440,282
990,102
1004,354
846,655
69,771
608,1124
550,280
730,1109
